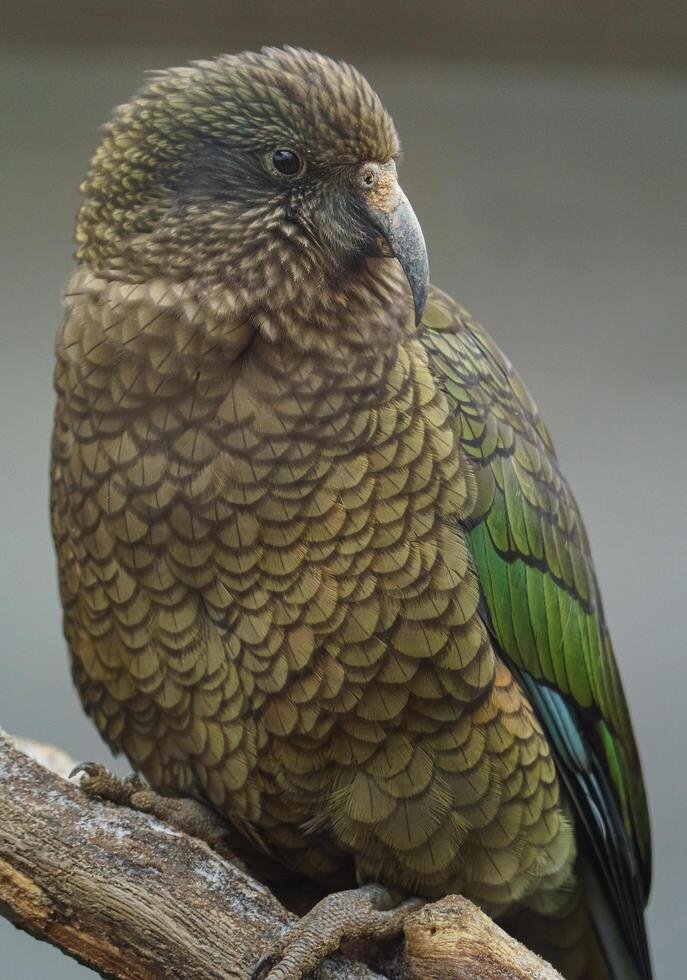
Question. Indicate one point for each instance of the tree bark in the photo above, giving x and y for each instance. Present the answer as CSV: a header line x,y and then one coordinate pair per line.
x,y
135,900
453,940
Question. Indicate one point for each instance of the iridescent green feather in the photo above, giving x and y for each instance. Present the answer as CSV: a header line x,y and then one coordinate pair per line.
x,y
532,555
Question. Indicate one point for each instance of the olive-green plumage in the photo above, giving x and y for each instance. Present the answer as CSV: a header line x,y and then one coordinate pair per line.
x,y
319,565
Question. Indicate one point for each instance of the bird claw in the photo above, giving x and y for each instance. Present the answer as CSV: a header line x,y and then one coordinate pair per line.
x,y
79,768
99,783
370,912
183,813
265,962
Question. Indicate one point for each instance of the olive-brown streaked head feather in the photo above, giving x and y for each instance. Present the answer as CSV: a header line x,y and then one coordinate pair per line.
x,y
249,172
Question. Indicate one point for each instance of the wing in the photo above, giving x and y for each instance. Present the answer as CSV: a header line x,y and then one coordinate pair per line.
x,y
532,555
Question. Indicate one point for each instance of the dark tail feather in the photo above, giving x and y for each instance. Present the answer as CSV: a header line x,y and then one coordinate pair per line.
x,y
609,857
609,939
582,940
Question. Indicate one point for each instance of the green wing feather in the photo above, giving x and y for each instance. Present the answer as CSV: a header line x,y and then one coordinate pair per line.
x,y
532,555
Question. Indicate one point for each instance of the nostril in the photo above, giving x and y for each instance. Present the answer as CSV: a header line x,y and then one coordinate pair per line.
x,y
369,176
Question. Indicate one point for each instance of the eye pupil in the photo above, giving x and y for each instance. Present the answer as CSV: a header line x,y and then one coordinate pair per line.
x,y
286,162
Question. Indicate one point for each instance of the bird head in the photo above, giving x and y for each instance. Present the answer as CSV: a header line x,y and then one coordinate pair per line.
x,y
264,175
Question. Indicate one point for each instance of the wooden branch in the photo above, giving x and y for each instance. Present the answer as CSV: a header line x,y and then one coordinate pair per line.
x,y
135,900
453,940
123,893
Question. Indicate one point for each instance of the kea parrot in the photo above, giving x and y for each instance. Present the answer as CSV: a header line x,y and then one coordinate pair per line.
x,y
319,566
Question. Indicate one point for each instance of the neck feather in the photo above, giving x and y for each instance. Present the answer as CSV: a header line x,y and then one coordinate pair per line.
x,y
347,334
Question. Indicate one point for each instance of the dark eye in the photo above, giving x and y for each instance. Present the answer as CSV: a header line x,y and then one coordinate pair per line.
x,y
286,162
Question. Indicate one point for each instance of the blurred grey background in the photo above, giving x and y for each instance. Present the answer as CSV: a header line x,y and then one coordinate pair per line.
x,y
546,156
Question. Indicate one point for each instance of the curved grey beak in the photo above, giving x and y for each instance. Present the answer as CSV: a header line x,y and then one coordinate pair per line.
x,y
403,233
398,224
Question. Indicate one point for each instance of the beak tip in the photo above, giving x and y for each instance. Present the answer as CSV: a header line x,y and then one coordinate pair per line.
x,y
419,302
